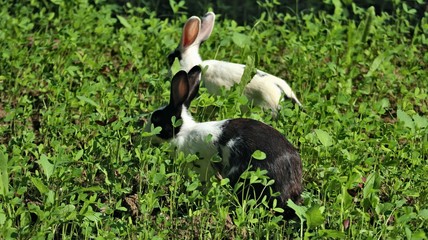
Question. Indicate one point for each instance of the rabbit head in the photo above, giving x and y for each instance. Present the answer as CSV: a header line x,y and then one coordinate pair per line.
x,y
184,88
195,32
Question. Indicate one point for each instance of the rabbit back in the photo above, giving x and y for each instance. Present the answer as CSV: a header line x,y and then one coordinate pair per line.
x,y
242,137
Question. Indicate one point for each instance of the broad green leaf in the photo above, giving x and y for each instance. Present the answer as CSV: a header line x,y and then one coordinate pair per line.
x,y
372,184
216,159
400,203
368,23
209,138
254,220
175,122
50,197
89,101
58,2
39,185
79,154
243,100
248,74
338,9
423,214
240,39
408,232
4,176
420,234
192,187
279,210
176,6
420,122
159,178
68,208
48,168
407,217
254,179
153,131
91,189
332,233
92,216
69,211
406,119
407,10
224,181
72,69
381,105
123,21
175,68
2,217
162,169
325,139
123,209
300,210
259,155
106,179
314,217
375,64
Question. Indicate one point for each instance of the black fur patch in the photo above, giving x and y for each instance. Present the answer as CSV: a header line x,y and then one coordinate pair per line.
x,y
260,74
162,118
282,161
174,54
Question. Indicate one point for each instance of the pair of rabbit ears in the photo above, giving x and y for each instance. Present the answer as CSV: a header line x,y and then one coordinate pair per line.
x,y
185,87
195,30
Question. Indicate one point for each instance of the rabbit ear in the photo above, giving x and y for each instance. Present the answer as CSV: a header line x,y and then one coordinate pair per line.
x,y
207,26
190,31
194,77
179,89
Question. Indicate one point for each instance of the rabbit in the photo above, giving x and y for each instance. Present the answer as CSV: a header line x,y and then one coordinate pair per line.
x,y
233,140
264,89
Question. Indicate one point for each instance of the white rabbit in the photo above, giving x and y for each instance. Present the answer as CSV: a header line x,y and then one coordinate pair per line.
x,y
234,140
264,89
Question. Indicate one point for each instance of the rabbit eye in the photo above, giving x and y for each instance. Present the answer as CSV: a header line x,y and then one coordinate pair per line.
x,y
155,118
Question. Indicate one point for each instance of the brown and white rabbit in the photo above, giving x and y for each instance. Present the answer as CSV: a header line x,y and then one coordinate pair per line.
x,y
264,89
234,140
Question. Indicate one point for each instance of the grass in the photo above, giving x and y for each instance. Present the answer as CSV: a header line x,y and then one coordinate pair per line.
x,y
75,78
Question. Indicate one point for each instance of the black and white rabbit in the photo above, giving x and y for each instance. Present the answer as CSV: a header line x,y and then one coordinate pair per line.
x,y
264,89
234,140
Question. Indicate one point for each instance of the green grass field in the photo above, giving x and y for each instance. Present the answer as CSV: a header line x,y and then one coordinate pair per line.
x,y
77,80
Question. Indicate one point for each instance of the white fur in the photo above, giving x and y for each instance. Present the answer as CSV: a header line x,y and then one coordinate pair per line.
x,y
264,89
189,59
192,139
226,150
220,74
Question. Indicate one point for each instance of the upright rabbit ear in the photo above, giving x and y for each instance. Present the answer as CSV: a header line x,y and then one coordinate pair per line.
x,y
179,89
194,77
190,31
207,26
